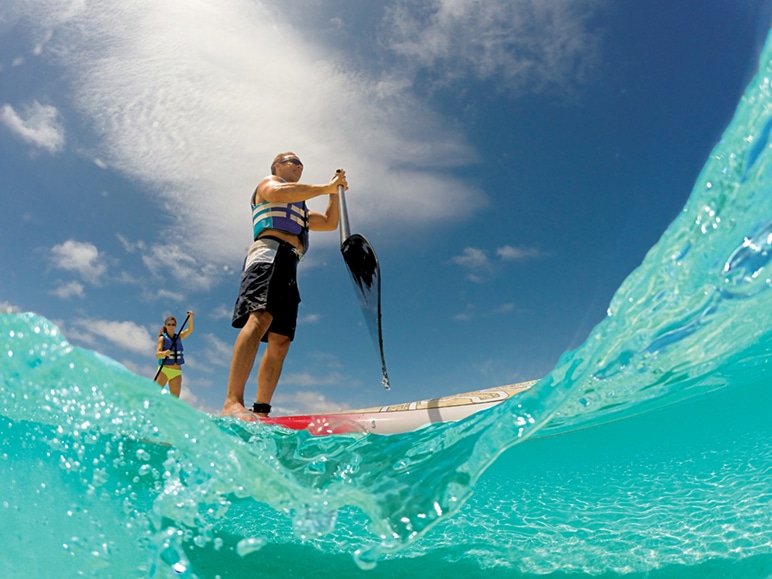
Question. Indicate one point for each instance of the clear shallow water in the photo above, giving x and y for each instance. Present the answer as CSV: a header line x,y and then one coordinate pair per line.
x,y
647,452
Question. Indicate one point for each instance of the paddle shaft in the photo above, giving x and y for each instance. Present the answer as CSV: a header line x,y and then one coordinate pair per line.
x,y
345,232
174,341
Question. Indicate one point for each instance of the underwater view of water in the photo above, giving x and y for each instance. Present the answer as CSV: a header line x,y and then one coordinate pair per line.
x,y
647,452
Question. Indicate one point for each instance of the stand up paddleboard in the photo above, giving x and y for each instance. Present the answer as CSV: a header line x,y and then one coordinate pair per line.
x,y
400,418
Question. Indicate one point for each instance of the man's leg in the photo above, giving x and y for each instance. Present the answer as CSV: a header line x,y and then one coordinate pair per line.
x,y
244,353
271,366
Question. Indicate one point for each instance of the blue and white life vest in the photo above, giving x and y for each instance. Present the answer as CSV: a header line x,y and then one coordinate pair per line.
x,y
288,217
176,357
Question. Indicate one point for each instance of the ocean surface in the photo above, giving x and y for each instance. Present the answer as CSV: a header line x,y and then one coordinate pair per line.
x,y
647,452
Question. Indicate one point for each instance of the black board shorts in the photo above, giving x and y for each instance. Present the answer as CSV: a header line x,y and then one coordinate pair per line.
x,y
269,282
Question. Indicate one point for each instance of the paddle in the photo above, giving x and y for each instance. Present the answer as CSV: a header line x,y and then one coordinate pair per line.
x,y
174,341
365,272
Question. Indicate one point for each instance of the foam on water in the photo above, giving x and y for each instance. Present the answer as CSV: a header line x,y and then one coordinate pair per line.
x,y
102,475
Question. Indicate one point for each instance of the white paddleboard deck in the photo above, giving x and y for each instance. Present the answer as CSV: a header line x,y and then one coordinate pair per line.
x,y
398,418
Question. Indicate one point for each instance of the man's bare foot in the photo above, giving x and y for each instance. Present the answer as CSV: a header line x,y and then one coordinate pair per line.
x,y
245,415
233,408
236,409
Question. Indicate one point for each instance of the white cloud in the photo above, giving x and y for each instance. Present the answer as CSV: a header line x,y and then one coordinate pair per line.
x,y
130,246
217,352
472,312
322,369
509,253
69,290
476,263
525,45
472,258
192,98
186,395
171,260
37,125
9,308
309,319
466,316
479,267
306,379
503,309
127,335
304,402
163,294
79,257
222,312
199,121
147,370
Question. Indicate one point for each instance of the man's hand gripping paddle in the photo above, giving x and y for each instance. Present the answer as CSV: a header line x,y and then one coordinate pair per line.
x,y
365,272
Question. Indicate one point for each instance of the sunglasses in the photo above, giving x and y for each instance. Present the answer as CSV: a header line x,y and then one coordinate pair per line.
x,y
293,161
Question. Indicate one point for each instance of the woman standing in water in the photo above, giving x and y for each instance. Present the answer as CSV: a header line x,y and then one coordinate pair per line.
x,y
168,350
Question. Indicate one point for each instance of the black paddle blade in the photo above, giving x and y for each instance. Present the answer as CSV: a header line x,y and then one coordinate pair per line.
x,y
365,272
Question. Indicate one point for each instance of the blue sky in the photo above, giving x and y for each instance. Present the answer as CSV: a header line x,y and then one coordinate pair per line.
x,y
511,161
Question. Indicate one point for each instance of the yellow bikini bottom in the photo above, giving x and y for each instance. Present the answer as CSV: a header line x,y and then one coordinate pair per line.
x,y
171,373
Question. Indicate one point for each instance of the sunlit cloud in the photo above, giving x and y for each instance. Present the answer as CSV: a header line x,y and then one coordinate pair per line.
x,y
199,122
466,316
306,379
472,312
165,295
476,263
130,246
79,257
217,352
69,290
187,395
510,253
480,267
223,312
525,45
309,319
184,270
503,309
37,124
146,370
127,335
9,308
305,402
472,258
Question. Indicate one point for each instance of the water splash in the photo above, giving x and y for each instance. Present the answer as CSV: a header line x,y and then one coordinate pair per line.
x,y
107,475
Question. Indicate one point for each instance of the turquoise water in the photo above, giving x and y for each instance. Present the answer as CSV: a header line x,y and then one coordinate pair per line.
x,y
647,452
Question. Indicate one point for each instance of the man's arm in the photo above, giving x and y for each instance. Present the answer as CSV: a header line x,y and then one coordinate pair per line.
x,y
274,190
328,220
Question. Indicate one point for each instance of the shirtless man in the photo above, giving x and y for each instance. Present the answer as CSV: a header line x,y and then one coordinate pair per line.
x,y
267,307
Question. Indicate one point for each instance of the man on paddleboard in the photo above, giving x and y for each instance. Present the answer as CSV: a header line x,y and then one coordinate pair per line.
x,y
267,306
